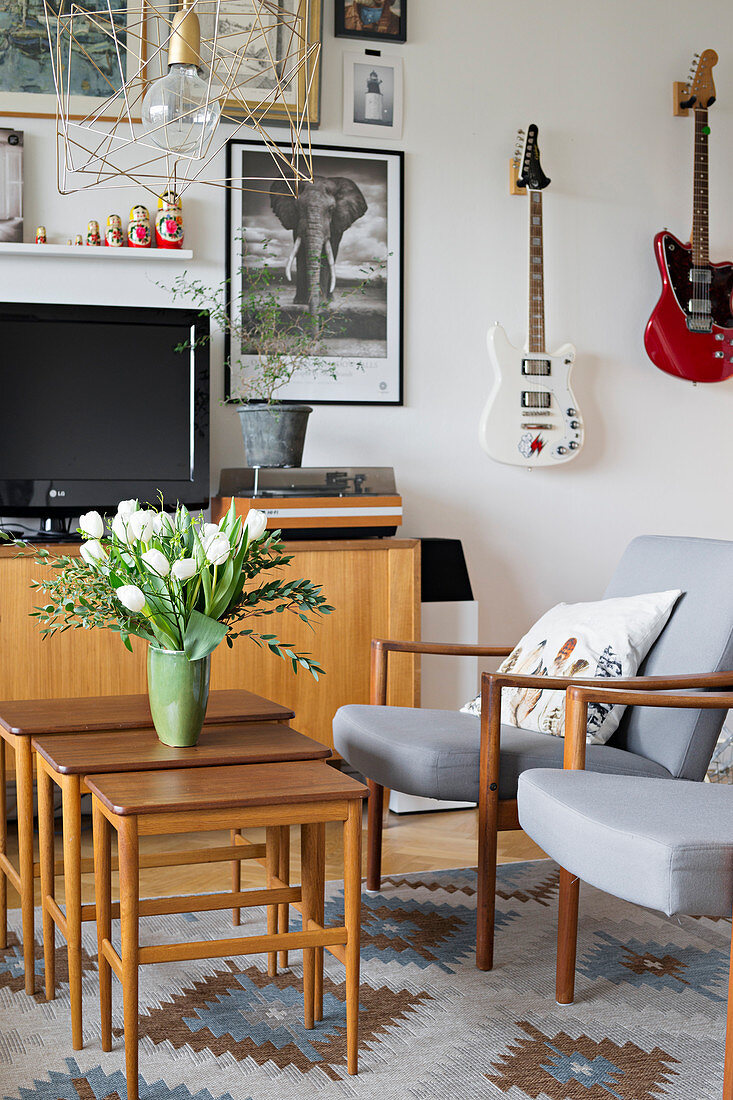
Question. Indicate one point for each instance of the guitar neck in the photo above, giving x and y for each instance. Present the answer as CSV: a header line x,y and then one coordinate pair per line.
x,y
536,340
700,251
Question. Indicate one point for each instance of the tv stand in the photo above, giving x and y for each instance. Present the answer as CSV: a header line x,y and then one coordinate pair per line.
x,y
54,529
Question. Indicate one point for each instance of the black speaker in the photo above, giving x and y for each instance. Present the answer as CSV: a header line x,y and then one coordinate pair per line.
x,y
444,572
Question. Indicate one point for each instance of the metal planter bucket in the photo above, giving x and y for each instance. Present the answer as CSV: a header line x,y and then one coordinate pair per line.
x,y
274,434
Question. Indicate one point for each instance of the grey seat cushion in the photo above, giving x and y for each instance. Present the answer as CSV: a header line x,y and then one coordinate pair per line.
x,y
435,753
664,845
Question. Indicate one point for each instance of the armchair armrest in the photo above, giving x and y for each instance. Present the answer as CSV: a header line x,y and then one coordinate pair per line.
x,y
382,647
578,697
646,689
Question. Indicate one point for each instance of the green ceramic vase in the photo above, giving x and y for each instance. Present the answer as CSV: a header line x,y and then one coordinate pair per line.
x,y
179,691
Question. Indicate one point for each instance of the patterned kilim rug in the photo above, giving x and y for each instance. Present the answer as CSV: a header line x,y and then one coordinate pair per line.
x,y
647,1023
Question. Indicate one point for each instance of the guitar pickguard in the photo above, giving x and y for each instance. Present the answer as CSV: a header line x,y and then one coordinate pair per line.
x,y
678,260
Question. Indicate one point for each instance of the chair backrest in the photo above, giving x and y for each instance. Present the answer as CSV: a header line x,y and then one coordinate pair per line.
x,y
697,638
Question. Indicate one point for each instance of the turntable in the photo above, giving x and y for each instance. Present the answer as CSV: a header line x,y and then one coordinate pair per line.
x,y
315,502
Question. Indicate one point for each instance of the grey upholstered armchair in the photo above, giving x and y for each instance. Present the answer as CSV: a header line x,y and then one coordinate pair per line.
x,y
662,845
450,755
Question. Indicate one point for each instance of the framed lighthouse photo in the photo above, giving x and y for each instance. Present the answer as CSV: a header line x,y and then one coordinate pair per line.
x,y
373,96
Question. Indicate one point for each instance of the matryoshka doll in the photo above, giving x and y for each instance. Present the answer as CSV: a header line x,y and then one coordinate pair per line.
x,y
169,221
93,237
41,234
113,234
138,230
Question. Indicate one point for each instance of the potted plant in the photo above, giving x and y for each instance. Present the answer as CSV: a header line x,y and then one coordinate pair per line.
x,y
183,586
288,341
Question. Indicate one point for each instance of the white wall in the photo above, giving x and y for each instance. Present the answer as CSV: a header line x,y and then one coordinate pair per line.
x,y
597,79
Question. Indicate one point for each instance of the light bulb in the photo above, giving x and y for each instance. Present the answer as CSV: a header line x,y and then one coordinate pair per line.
x,y
178,111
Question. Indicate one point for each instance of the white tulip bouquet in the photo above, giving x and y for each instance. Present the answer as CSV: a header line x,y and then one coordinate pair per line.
x,y
175,581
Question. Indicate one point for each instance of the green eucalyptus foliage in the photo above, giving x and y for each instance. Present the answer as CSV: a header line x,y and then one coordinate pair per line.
x,y
193,615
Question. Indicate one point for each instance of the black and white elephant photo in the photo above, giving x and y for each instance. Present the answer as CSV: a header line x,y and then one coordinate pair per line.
x,y
325,245
318,217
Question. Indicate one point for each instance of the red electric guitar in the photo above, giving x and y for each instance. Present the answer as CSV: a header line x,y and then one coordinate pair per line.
x,y
690,332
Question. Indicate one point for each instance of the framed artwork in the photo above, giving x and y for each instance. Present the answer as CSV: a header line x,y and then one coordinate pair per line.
x,y
281,32
375,20
11,186
350,267
372,96
90,65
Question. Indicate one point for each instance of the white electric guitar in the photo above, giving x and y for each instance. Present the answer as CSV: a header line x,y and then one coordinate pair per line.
x,y
531,417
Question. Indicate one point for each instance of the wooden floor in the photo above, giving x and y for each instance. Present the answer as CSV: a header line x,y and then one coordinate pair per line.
x,y
412,842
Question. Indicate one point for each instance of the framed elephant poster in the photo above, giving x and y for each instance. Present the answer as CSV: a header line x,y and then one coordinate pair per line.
x,y
328,254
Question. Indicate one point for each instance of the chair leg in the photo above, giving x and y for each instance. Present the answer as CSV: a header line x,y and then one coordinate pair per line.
x,y
374,841
728,1067
567,937
486,887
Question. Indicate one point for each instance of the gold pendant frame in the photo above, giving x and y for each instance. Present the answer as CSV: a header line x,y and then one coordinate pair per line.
x,y
261,63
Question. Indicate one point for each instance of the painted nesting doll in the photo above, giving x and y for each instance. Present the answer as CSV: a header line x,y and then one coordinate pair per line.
x,y
41,234
113,236
138,229
93,237
169,221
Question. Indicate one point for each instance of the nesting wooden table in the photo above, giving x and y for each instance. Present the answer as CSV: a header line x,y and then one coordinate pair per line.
x,y
21,720
69,761
305,793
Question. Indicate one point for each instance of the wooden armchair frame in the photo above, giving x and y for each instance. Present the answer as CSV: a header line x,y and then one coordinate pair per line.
x,y
576,723
498,814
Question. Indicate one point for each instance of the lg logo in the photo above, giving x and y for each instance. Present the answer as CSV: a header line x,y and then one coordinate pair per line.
x,y
56,492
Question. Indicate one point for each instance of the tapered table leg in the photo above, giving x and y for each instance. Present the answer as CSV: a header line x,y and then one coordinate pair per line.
x,y
319,888
103,897
309,909
3,848
48,883
129,916
283,873
352,920
236,878
24,790
71,794
272,834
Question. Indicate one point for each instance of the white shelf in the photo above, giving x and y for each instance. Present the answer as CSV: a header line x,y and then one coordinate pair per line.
x,y
99,252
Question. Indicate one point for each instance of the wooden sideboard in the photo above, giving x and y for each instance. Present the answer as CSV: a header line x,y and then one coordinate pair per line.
x,y
374,584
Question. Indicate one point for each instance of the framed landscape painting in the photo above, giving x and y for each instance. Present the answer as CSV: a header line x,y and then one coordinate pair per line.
x,y
90,65
332,250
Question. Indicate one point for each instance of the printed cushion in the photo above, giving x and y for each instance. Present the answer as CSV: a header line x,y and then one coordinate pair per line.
x,y
585,640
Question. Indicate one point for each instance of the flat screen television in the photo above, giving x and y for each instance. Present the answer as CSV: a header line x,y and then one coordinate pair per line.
x,y
96,406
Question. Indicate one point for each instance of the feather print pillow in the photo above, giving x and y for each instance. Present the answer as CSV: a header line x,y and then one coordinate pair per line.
x,y
607,638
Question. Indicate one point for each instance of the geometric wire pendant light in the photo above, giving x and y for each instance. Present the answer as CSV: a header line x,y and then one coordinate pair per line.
x,y
170,79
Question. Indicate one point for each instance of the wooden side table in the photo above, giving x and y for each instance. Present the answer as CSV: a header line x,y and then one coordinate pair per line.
x,y
68,760
308,793
20,720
